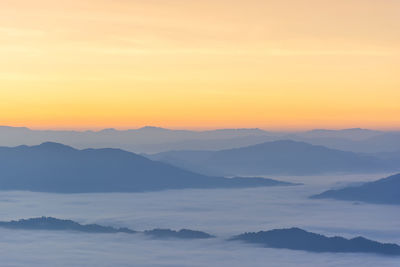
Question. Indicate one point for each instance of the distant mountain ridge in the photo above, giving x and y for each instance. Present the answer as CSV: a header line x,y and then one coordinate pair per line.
x,y
285,157
53,167
350,133
151,139
383,191
292,238
145,139
298,239
54,224
182,234
50,223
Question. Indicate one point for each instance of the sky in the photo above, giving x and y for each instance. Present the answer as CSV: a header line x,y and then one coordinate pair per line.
x,y
288,64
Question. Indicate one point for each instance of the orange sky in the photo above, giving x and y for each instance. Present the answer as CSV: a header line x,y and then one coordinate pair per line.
x,y
287,64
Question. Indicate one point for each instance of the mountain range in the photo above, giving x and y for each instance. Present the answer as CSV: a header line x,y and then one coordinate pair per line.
x,y
383,191
298,239
54,224
284,157
292,238
155,139
53,167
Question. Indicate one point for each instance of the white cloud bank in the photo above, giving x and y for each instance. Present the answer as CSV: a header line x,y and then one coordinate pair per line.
x,y
220,212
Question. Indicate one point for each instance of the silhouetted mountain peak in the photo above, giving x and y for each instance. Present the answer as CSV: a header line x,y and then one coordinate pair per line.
x,y
53,146
341,130
152,128
299,239
53,167
275,157
286,142
248,130
54,224
50,223
5,127
108,130
383,191
184,233
280,144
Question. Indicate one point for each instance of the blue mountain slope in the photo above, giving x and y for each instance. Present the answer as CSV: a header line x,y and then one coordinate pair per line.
x,y
298,239
53,167
383,191
54,224
278,157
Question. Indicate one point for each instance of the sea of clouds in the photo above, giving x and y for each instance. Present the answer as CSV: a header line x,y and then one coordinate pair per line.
x,y
222,212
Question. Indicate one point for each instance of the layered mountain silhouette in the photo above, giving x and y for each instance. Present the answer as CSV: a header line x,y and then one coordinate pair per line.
x,y
383,191
182,234
356,134
50,223
53,167
54,224
298,239
143,140
277,157
372,142
293,238
155,139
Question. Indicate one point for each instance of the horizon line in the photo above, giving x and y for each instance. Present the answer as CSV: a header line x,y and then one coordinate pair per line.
x,y
194,129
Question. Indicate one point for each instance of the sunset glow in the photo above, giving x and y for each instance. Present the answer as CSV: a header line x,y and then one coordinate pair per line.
x,y
200,64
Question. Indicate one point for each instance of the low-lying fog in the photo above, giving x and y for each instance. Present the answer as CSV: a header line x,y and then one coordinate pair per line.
x,y
222,212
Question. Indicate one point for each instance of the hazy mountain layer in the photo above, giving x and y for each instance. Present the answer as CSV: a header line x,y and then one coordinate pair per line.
x,y
383,191
298,239
293,238
54,224
183,234
52,167
278,157
155,139
50,223
146,139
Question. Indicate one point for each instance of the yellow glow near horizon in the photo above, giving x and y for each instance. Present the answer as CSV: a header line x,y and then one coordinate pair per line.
x,y
288,64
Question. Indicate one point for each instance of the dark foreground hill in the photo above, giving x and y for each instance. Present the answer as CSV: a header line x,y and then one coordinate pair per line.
x,y
279,157
53,167
383,191
54,224
183,234
50,223
298,239
293,238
